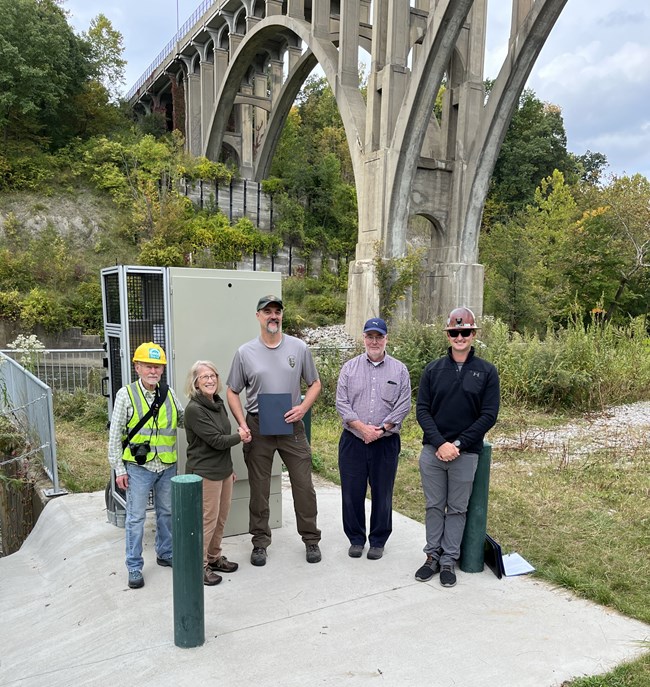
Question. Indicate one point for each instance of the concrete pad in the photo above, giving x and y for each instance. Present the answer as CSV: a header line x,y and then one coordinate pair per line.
x,y
68,617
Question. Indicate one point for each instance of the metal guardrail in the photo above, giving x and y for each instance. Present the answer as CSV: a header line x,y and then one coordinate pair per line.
x,y
167,50
65,369
27,402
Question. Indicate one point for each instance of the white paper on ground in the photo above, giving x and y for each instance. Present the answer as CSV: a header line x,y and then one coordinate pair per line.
x,y
514,564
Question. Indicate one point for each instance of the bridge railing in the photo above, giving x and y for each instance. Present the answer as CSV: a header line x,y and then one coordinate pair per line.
x,y
167,50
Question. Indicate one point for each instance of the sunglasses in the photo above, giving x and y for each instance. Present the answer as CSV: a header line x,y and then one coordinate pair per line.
x,y
465,333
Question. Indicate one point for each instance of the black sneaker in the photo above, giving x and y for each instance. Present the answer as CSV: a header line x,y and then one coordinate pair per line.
x,y
375,553
165,562
312,553
355,550
447,576
428,570
258,556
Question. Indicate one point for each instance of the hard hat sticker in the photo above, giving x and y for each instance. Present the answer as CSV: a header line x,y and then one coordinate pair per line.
x,y
154,353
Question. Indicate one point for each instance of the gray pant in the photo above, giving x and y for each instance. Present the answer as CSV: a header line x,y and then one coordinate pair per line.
x,y
447,487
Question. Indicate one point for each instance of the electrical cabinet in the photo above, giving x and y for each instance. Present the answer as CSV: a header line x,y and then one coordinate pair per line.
x,y
194,314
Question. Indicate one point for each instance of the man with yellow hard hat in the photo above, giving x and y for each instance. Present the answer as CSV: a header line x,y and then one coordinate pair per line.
x,y
142,451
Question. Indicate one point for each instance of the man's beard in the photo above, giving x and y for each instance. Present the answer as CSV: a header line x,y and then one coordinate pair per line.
x,y
273,327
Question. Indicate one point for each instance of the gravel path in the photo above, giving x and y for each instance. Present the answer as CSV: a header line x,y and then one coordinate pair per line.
x,y
625,427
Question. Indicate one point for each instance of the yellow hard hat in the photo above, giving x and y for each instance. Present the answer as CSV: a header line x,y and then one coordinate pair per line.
x,y
150,353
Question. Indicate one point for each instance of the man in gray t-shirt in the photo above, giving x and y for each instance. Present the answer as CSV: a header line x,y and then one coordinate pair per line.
x,y
276,363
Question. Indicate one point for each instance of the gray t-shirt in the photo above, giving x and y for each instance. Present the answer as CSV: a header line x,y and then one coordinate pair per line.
x,y
260,369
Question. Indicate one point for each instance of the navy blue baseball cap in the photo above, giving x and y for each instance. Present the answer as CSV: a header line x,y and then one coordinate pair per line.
x,y
375,324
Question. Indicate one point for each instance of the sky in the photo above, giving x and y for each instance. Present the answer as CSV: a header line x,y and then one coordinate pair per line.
x,y
595,65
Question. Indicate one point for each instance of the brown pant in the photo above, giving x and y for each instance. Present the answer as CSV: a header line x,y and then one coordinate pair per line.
x,y
296,455
217,495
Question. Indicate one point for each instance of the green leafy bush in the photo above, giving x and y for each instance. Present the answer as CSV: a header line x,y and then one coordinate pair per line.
x,y
10,305
331,308
44,308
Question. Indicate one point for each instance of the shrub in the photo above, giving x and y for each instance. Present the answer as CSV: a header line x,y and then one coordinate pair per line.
x,y
80,405
10,305
41,307
331,307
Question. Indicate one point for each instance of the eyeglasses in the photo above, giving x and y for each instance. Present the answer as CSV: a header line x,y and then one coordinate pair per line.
x,y
380,337
465,333
207,378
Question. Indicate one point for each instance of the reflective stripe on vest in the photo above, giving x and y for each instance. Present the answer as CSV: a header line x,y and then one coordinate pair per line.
x,y
160,432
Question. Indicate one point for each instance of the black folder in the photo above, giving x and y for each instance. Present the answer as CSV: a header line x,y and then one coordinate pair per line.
x,y
272,408
494,556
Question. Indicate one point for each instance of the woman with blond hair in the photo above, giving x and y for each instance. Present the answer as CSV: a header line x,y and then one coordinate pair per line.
x,y
209,440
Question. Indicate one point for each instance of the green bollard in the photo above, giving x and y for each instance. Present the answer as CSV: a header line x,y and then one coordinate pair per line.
x,y
472,551
187,546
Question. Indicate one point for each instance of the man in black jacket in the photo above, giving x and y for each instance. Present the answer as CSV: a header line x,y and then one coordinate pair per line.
x,y
458,402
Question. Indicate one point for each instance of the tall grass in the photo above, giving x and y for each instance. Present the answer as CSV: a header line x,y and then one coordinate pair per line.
x,y
581,368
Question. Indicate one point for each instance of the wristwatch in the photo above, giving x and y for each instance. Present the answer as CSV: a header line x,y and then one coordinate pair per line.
x,y
457,443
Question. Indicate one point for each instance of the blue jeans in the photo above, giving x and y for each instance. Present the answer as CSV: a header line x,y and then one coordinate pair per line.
x,y
141,482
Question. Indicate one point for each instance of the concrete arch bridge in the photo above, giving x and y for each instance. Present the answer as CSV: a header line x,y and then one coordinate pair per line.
x,y
229,77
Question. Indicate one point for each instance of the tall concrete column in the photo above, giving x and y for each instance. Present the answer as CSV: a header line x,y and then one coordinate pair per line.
x,y
348,71
320,18
260,115
247,134
296,9
276,68
273,8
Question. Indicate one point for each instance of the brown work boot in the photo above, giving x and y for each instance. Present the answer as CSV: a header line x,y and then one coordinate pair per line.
x,y
210,578
222,564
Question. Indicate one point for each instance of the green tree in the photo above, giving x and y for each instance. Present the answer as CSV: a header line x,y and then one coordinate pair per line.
x,y
610,249
525,259
43,67
106,50
534,146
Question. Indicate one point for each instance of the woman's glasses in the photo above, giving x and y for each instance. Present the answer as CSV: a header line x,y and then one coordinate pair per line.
x,y
207,378
453,333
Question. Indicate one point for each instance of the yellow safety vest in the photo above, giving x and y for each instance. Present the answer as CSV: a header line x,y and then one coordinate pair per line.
x,y
159,431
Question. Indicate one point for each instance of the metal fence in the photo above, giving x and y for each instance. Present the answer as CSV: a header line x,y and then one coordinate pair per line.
x,y
26,402
65,369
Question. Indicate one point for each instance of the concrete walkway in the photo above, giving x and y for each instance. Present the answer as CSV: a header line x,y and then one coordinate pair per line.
x,y
69,619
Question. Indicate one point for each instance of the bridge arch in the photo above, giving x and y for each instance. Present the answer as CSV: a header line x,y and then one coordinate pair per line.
x,y
405,161
318,52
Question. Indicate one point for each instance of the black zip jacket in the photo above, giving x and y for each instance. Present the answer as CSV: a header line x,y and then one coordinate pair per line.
x,y
455,405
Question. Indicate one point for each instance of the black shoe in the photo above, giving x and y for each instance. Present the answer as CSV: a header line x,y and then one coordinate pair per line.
x,y
222,564
165,562
135,579
447,576
258,556
428,570
375,552
210,578
355,550
312,553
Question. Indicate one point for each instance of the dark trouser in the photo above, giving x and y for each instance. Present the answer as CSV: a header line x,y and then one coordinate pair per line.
x,y
361,464
296,455
447,487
